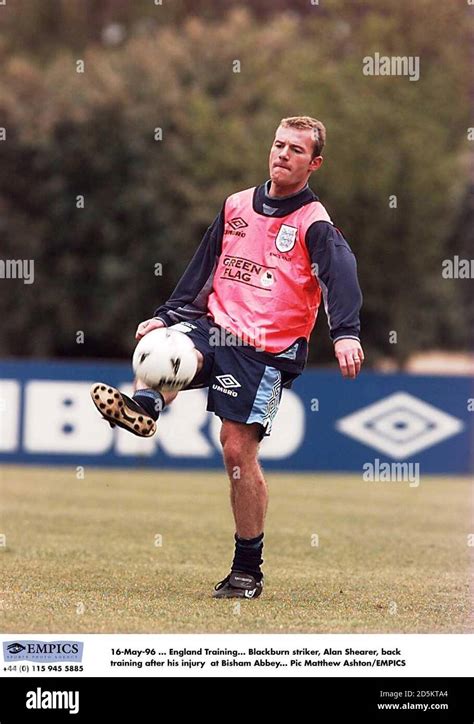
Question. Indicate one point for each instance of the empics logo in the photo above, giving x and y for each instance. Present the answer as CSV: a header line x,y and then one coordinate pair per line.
x,y
15,648
42,651
39,699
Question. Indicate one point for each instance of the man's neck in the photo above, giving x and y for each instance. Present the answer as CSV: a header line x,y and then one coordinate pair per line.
x,y
284,192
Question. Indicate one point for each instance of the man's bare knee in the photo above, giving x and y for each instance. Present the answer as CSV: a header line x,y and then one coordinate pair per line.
x,y
234,453
239,442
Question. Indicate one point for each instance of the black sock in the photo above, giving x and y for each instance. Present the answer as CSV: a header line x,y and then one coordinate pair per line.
x,y
152,402
248,556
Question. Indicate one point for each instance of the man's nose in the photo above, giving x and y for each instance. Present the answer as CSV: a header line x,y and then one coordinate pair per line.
x,y
283,152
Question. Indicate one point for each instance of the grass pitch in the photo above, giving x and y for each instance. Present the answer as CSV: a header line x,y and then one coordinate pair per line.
x,y
139,551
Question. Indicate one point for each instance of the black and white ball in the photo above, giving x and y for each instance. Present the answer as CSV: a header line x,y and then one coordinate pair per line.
x,y
165,359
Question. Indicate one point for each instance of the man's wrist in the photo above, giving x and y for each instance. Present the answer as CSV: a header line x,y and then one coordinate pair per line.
x,y
346,336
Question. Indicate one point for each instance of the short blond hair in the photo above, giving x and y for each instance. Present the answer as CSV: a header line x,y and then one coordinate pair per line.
x,y
319,130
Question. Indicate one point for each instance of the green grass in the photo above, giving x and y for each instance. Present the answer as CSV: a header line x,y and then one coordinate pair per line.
x,y
80,555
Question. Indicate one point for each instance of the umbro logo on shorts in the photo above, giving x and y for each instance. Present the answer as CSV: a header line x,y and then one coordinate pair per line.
x,y
227,383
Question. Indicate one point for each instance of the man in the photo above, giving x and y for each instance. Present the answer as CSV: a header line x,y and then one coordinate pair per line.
x,y
249,300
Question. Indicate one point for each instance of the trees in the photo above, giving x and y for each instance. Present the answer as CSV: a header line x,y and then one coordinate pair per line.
x,y
158,130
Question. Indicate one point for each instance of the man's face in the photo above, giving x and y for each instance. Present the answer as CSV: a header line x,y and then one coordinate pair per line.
x,y
291,156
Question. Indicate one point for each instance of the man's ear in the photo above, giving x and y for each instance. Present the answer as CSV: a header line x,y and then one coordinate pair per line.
x,y
315,163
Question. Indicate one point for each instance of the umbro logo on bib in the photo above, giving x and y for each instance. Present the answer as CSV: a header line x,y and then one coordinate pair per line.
x,y
286,237
237,223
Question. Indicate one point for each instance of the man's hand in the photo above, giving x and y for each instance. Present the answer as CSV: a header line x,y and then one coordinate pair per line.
x,y
146,326
350,356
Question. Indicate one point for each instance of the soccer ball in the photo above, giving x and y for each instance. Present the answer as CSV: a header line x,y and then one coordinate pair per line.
x,y
165,359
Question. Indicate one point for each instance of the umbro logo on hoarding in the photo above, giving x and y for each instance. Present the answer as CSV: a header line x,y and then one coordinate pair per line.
x,y
400,425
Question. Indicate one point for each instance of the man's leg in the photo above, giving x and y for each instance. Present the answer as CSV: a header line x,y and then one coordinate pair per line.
x,y
168,397
249,499
137,414
248,489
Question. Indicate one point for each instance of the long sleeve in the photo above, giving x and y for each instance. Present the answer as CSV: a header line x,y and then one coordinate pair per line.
x,y
336,270
189,299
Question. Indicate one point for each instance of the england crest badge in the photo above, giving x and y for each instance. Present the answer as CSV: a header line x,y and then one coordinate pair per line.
x,y
286,238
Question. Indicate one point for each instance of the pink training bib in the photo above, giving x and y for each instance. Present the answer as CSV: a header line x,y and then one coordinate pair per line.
x,y
264,288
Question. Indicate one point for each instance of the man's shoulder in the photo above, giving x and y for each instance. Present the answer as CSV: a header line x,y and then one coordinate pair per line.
x,y
323,235
243,192
316,213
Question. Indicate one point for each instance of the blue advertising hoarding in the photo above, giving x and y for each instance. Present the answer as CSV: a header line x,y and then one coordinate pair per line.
x,y
325,423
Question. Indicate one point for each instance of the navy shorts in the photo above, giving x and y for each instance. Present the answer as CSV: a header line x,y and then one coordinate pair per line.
x,y
240,388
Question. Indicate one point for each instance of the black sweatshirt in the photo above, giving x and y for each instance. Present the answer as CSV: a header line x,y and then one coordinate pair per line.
x,y
335,267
